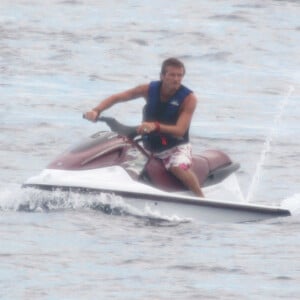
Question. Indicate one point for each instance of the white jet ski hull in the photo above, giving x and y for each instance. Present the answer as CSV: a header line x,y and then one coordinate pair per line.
x,y
144,198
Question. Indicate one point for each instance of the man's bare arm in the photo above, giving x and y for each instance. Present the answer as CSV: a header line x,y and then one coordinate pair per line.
x,y
131,94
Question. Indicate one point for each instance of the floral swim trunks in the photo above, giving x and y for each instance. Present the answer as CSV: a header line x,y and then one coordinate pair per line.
x,y
179,156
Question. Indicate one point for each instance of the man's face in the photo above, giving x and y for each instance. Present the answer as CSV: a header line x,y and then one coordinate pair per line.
x,y
173,77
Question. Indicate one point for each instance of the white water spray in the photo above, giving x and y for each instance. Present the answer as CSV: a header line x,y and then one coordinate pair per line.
x,y
267,144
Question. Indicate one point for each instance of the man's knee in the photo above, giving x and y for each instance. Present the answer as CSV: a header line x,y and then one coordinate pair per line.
x,y
179,172
179,169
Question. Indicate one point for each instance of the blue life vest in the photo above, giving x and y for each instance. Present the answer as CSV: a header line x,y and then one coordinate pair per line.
x,y
165,113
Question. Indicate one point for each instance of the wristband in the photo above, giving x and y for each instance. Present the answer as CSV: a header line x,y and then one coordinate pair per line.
x,y
157,126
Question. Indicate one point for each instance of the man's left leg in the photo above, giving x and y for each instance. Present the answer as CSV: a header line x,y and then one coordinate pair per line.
x,y
188,178
178,161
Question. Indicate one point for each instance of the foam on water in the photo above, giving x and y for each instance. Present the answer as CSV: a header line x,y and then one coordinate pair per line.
x,y
292,204
15,198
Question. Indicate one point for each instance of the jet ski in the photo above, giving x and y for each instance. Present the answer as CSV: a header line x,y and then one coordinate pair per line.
x,y
115,162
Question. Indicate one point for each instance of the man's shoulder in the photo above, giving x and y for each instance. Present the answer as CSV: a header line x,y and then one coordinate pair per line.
x,y
186,90
191,97
184,93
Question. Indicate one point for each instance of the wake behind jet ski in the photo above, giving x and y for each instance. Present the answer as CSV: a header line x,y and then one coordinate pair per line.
x,y
116,162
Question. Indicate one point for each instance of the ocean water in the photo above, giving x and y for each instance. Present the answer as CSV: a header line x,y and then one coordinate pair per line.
x,y
60,58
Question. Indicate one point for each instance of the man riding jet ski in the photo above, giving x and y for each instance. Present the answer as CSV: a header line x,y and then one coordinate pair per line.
x,y
159,174
167,118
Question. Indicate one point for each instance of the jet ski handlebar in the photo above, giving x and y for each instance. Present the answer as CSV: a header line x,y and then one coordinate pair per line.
x,y
114,125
